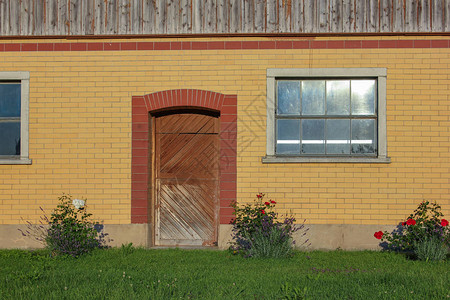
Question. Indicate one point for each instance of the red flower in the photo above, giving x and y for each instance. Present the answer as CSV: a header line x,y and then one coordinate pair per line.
x,y
273,202
267,203
378,234
403,223
444,222
262,211
410,222
259,196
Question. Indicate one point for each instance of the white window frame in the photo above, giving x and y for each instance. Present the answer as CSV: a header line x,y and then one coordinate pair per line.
x,y
24,78
354,73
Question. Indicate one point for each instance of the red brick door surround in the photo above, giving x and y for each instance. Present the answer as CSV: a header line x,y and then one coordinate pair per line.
x,y
144,106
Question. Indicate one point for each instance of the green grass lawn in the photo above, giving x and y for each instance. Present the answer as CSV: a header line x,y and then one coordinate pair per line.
x,y
125,273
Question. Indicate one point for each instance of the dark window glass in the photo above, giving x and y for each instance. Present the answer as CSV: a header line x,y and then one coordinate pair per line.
x,y
10,138
9,100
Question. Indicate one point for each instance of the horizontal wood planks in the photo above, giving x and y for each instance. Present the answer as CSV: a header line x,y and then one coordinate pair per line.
x,y
136,17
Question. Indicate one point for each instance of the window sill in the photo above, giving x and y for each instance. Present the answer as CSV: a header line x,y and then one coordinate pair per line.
x,y
291,159
13,161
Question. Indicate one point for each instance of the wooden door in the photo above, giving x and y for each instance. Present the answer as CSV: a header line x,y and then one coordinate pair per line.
x,y
186,179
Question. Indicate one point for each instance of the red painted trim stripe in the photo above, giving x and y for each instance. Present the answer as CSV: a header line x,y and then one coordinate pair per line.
x,y
224,45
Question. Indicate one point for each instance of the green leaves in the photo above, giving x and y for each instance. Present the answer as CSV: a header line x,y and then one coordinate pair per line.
x,y
258,233
70,231
430,249
423,228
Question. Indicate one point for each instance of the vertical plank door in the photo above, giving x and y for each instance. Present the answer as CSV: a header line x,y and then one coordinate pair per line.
x,y
186,179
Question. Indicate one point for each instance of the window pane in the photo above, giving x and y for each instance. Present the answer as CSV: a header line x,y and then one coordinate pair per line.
x,y
313,97
288,137
313,136
338,136
363,136
10,100
10,138
338,97
288,100
363,97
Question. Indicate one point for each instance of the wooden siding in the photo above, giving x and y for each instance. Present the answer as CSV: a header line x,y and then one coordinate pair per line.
x,y
178,17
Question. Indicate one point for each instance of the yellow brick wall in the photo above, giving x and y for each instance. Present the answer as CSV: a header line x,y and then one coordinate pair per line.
x,y
80,131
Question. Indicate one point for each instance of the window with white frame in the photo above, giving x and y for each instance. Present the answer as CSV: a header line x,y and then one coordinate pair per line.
x,y
14,93
326,115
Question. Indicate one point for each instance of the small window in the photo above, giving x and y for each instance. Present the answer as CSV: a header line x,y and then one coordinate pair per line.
x,y
14,90
326,115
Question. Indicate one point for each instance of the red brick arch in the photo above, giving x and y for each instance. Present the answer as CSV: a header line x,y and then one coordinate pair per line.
x,y
142,106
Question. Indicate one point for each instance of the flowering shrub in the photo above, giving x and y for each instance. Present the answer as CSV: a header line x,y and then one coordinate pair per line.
x,y
425,225
69,230
258,233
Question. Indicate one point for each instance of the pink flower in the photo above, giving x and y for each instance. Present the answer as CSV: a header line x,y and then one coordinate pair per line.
x,y
378,235
444,222
410,222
